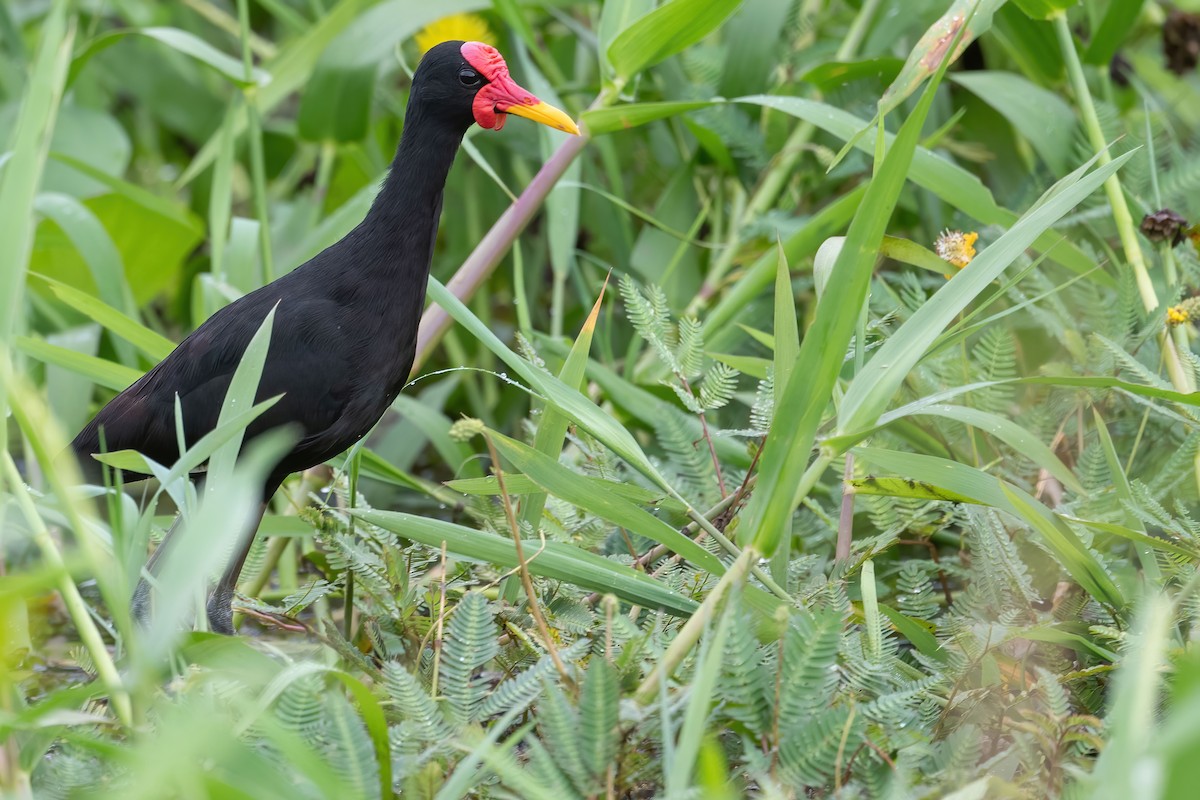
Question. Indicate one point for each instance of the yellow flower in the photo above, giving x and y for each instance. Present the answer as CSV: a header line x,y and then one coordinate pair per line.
x,y
468,27
1186,311
956,247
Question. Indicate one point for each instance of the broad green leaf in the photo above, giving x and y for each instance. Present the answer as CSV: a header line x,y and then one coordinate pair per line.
x,y
751,39
786,354
915,632
243,387
1030,43
554,560
787,332
1175,545
1041,116
88,134
665,31
909,252
578,490
615,17
875,385
1113,30
289,70
832,75
1104,382
908,488
92,242
337,97
151,263
187,43
68,393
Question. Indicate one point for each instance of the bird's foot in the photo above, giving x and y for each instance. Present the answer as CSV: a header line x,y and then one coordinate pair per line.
x,y
140,605
220,612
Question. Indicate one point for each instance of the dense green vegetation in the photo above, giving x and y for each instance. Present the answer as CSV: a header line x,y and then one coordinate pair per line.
x,y
782,454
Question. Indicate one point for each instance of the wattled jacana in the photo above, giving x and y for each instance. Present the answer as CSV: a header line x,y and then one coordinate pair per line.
x,y
345,324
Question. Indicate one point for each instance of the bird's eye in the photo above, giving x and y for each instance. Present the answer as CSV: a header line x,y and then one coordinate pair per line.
x,y
468,77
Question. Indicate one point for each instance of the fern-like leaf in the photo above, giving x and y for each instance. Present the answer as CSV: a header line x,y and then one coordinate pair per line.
x,y
470,643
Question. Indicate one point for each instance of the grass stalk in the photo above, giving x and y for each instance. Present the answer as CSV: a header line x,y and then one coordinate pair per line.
x,y
689,634
22,173
258,172
523,566
1180,375
85,626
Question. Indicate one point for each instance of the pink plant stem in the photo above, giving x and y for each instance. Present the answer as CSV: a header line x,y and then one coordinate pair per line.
x,y
488,254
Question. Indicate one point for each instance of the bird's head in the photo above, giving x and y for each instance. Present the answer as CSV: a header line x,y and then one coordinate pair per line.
x,y
470,82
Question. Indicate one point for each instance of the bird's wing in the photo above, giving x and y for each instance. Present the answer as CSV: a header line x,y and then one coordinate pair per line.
x,y
200,369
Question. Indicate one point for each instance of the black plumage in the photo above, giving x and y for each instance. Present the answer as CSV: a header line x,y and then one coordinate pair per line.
x,y
345,326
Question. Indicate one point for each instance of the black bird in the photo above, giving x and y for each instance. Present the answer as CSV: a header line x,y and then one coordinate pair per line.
x,y
345,324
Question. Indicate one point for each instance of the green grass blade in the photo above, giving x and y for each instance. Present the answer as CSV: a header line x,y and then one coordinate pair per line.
x,y
578,490
98,370
153,344
552,426
566,399
874,387
958,187
1012,434
794,428
665,31
987,489
22,173
554,560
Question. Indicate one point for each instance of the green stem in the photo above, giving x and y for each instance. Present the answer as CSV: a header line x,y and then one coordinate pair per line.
x,y
731,548
1112,186
258,172
689,634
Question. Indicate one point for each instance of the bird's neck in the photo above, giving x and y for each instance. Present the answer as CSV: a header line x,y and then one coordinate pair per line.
x,y
403,217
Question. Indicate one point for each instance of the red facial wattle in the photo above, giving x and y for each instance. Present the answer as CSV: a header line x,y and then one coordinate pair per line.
x,y
502,95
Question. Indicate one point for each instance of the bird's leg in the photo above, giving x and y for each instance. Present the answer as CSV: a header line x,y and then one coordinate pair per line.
x,y
220,604
140,605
